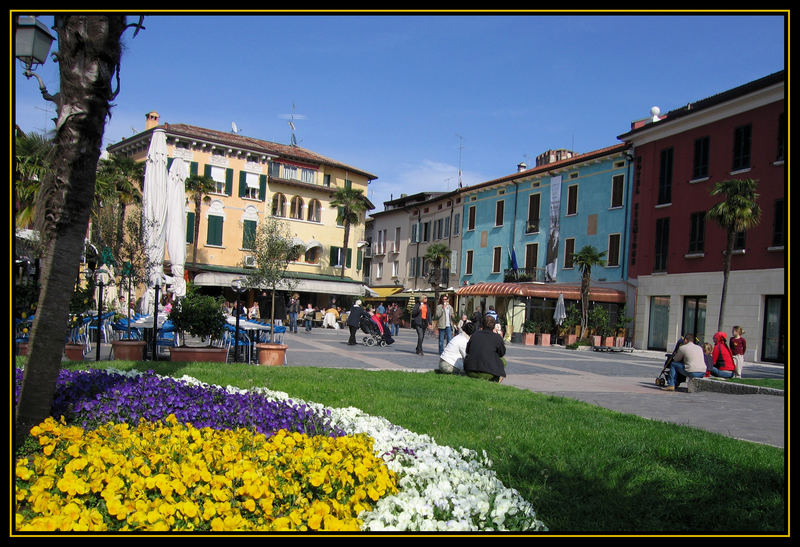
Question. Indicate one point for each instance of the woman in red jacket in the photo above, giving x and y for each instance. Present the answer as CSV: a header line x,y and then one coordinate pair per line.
x,y
721,357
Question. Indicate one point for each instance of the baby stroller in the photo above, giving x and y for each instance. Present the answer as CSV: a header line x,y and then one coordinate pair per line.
x,y
376,334
663,376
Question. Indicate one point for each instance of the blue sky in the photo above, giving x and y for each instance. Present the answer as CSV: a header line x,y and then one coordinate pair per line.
x,y
411,98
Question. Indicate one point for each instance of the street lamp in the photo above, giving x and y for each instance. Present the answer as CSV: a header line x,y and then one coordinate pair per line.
x,y
100,276
157,282
32,43
238,287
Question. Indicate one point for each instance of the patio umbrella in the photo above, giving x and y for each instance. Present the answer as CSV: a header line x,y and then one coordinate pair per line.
x,y
154,211
561,312
176,224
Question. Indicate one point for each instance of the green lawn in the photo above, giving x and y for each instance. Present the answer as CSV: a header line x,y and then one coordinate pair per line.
x,y
585,469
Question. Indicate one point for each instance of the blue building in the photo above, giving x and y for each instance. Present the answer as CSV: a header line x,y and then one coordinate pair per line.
x,y
524,229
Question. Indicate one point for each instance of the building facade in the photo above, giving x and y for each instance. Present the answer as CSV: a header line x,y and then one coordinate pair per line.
x,y
676,254
256,179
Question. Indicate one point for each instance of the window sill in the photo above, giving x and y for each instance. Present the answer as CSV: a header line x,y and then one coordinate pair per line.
x,y
776,249
699,180
213,246
740,171
662,205
778,163
694,255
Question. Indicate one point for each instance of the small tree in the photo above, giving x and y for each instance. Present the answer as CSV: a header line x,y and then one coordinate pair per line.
x,y
586,259
351,204
274,250
437,255
199,314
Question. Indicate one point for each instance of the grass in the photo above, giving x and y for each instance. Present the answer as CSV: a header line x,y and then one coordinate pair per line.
x,y
585,469
775,383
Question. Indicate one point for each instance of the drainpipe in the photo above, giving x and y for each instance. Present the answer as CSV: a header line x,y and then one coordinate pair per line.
x,y
629,159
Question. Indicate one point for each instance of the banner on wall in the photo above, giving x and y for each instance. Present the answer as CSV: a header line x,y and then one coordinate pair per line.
x,y
551,267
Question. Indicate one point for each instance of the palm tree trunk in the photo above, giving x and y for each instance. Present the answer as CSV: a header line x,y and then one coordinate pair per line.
x,y
345,244
197,204
89,54
726,271
584,304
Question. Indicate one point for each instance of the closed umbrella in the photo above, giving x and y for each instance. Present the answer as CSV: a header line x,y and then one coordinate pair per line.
x,y
561,312
154,210
176,224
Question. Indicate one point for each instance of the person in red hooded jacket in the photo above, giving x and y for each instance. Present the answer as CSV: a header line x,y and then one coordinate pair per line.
x,y
721,357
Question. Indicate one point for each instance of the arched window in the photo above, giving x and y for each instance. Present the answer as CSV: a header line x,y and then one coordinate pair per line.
x,y
279,205
314,210
312,255
296,210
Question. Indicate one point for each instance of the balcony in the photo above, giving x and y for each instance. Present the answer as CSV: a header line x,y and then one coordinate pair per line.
x,y
524,274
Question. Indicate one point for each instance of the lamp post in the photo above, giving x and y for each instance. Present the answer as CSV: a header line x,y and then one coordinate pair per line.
x,y
99,276
156,286
238,287
127,272
32,43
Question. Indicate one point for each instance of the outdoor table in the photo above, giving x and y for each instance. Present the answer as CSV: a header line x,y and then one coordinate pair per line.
x,y
146,325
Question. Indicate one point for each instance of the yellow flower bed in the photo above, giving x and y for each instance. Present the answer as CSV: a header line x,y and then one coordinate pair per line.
x,y
177,477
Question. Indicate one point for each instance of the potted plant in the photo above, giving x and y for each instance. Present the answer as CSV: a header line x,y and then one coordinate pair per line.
x,y
200,316
529,329
274,249
570,323
79,305
544,335
620,326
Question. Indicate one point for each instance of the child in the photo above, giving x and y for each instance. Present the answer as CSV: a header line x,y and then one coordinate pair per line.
x,y
708,349
738,349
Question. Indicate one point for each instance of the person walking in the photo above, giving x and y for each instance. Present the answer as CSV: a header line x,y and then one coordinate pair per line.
x,y
353,321
444,321
294,309
477,317
308,316
738,349
421,320
395,317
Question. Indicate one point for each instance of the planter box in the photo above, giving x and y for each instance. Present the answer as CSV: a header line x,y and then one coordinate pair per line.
x,y
608,341
619,341
129,350
597,340
529,338
74,352
544,339
202,355
570,339
272,355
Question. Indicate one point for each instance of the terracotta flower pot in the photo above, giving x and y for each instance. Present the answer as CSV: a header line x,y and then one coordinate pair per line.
x,y
529,338
74,352
271,354
544,339
129,350
608,341
189,354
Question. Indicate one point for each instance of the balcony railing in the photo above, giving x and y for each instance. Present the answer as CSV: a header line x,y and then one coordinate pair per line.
x,y
524,274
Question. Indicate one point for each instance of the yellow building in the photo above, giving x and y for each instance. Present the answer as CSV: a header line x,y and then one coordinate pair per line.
x,y
255,179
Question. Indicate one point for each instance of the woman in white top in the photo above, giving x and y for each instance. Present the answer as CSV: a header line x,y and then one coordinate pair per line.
x,y
451,361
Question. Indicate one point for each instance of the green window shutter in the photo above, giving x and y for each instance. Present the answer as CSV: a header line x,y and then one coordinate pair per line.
x,y
339,213
349,256
248,234
262,187
348,184
334,255
359,258
193,168
207,170
214,230
190,227
242,184
229,181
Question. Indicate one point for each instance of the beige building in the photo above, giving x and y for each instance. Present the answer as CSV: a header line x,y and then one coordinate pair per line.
x,y
256,179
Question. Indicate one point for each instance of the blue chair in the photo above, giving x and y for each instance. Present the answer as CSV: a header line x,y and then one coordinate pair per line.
x,y
242,342
120,328
166,337
107,331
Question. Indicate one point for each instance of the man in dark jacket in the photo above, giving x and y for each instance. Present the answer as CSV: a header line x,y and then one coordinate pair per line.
x,y
420,320
353,321
485,350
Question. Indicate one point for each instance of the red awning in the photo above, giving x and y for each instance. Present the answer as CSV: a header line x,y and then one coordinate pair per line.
x,y
541,290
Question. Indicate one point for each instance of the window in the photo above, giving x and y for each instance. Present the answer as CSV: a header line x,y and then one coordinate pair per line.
x,y
415,233
314,209
700,165
658,328
781,137
307,175
499,210
617,190
326,181
569,253
312,255
741,147
381,244
661,245
446,227
468,265
426,231
337,256
665,177
414,267
279,205
779,225
249,185
456,224
572,200
697,230
378,270
397,239
471,218
396,268
531,257
248,234
214,234
453,263
694,316
223,178
296,209
289,171
613,250
496,256
534,206
275,170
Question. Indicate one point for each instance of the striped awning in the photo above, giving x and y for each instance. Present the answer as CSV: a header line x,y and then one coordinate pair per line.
x,y
541,290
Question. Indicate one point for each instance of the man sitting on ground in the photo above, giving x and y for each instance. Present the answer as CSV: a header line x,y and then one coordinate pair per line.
x,y
689,361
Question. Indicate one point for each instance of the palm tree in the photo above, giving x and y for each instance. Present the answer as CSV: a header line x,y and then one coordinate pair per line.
x,y
586,259
437,254
738,212
89,50
198,186
119,180
352,205
33,158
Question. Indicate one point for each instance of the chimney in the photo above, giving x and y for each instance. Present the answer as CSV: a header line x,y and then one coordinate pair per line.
x,y
521,167
151,120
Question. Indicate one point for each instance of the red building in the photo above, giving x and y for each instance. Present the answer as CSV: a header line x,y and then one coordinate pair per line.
x,y
676,253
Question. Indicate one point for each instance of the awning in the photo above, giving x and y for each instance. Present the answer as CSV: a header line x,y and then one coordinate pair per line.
x,y
224,279
383,292
313,243
541,290
297,242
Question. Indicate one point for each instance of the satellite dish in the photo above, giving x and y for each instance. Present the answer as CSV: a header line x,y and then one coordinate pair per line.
x,y
234,127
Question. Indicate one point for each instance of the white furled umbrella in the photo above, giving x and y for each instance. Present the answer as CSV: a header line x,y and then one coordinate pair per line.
x,y
561,311
175,231
154,210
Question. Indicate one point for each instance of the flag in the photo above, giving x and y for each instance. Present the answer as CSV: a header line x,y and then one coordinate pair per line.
x,y
512,260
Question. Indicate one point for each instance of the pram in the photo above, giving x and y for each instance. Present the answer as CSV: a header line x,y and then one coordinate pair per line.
x,y
663,376
376,334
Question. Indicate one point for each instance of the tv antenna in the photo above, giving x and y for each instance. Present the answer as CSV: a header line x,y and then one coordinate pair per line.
x,y
291,117
460,147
